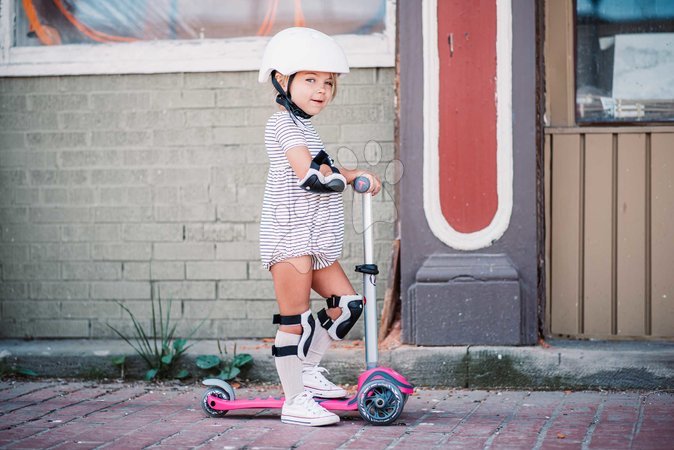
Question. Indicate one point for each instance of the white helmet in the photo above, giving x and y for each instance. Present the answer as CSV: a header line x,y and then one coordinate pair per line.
x,y
296,49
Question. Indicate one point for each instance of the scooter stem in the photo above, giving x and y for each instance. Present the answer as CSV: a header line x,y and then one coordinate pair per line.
x,y
369,288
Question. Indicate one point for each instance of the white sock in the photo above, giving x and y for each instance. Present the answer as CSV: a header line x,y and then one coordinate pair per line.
x,y
289,368
320,343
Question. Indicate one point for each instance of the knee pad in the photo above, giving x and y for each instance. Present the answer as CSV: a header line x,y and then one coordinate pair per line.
x,y
352,308
301,350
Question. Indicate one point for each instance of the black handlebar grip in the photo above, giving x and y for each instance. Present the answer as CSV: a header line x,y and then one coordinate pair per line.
x,y
361,184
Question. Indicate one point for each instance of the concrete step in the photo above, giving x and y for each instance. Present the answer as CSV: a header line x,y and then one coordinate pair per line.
x,y
562,365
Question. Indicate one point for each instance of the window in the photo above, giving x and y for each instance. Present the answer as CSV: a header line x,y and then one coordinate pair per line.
x,y
48,37
624,61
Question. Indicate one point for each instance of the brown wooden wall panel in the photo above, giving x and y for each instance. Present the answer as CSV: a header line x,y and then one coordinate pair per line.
x,y
547,161
662,235
609,233
565,229
598,238
631,239
609,193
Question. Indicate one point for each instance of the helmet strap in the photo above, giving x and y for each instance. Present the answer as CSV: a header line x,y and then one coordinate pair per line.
x,y
283,97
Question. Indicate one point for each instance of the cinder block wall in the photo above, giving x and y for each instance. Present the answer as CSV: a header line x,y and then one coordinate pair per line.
x,y
138,187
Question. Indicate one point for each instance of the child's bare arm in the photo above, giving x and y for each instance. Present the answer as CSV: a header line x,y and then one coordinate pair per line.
x,y
300,160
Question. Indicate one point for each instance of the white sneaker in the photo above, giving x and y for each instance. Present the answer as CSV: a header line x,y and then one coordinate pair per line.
x,y
303,410
318,385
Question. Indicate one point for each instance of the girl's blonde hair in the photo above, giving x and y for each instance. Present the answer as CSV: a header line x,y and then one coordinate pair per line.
x,y
283,80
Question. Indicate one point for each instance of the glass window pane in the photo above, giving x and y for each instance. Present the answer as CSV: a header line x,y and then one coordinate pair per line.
x,y
54,22
624,61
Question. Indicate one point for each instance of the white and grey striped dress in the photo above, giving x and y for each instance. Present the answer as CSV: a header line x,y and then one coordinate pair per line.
x,y
295,222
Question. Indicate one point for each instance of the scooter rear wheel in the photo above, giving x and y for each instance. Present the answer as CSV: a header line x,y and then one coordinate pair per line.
x,y
380,402
206,406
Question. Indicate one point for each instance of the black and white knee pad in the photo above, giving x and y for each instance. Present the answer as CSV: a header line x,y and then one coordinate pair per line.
x,y
352,308
301,350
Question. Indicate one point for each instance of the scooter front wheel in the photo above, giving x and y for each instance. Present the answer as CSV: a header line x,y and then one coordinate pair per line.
x,y
380,402
207,407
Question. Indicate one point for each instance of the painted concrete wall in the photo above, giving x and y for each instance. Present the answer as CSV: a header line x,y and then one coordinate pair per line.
x,y
138,187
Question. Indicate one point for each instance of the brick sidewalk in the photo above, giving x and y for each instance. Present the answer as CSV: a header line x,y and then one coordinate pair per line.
x,y
86,415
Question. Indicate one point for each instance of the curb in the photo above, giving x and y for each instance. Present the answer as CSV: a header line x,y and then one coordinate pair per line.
x,y
563,365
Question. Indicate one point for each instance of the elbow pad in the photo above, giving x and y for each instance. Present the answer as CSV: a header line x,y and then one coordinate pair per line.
x,y
315,181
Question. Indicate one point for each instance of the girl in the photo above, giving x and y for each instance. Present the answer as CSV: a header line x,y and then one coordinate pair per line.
x,y
302,221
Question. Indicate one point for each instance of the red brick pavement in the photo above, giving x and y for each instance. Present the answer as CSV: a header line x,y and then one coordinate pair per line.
x,y
86,415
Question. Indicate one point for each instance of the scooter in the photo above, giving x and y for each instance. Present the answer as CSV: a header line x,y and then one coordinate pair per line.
x,y
382,392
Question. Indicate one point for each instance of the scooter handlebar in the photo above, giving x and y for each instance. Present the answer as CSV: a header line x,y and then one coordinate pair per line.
x,y
361,184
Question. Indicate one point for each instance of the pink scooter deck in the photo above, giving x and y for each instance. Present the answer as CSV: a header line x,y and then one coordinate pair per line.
x,y
346,404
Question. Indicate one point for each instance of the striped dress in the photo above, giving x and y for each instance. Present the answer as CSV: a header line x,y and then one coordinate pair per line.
x,y
295,222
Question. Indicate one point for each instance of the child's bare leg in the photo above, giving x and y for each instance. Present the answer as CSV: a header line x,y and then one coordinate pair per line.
x,y
326,282
292,285
332,281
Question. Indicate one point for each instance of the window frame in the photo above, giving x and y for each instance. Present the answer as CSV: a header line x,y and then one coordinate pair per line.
x,y
208,55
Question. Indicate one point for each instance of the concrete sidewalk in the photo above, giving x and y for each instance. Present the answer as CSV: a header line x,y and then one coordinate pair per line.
x,y
63,415
561,365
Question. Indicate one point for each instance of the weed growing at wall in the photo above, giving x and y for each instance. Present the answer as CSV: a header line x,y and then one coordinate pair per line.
x,y
222,366
158,347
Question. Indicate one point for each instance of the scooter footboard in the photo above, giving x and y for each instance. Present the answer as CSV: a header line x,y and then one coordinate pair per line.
x,y
348,404
220,404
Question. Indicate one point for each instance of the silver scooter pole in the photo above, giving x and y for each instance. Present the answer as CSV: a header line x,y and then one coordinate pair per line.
x,y
369,271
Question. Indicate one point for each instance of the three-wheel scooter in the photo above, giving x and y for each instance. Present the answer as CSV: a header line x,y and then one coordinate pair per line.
x,y
382,392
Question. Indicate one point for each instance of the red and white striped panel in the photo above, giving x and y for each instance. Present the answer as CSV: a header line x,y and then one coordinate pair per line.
x,y
468,158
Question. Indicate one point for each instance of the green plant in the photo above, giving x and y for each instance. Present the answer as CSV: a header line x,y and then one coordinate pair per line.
x,y
12,369
159,347
120,361
222,366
